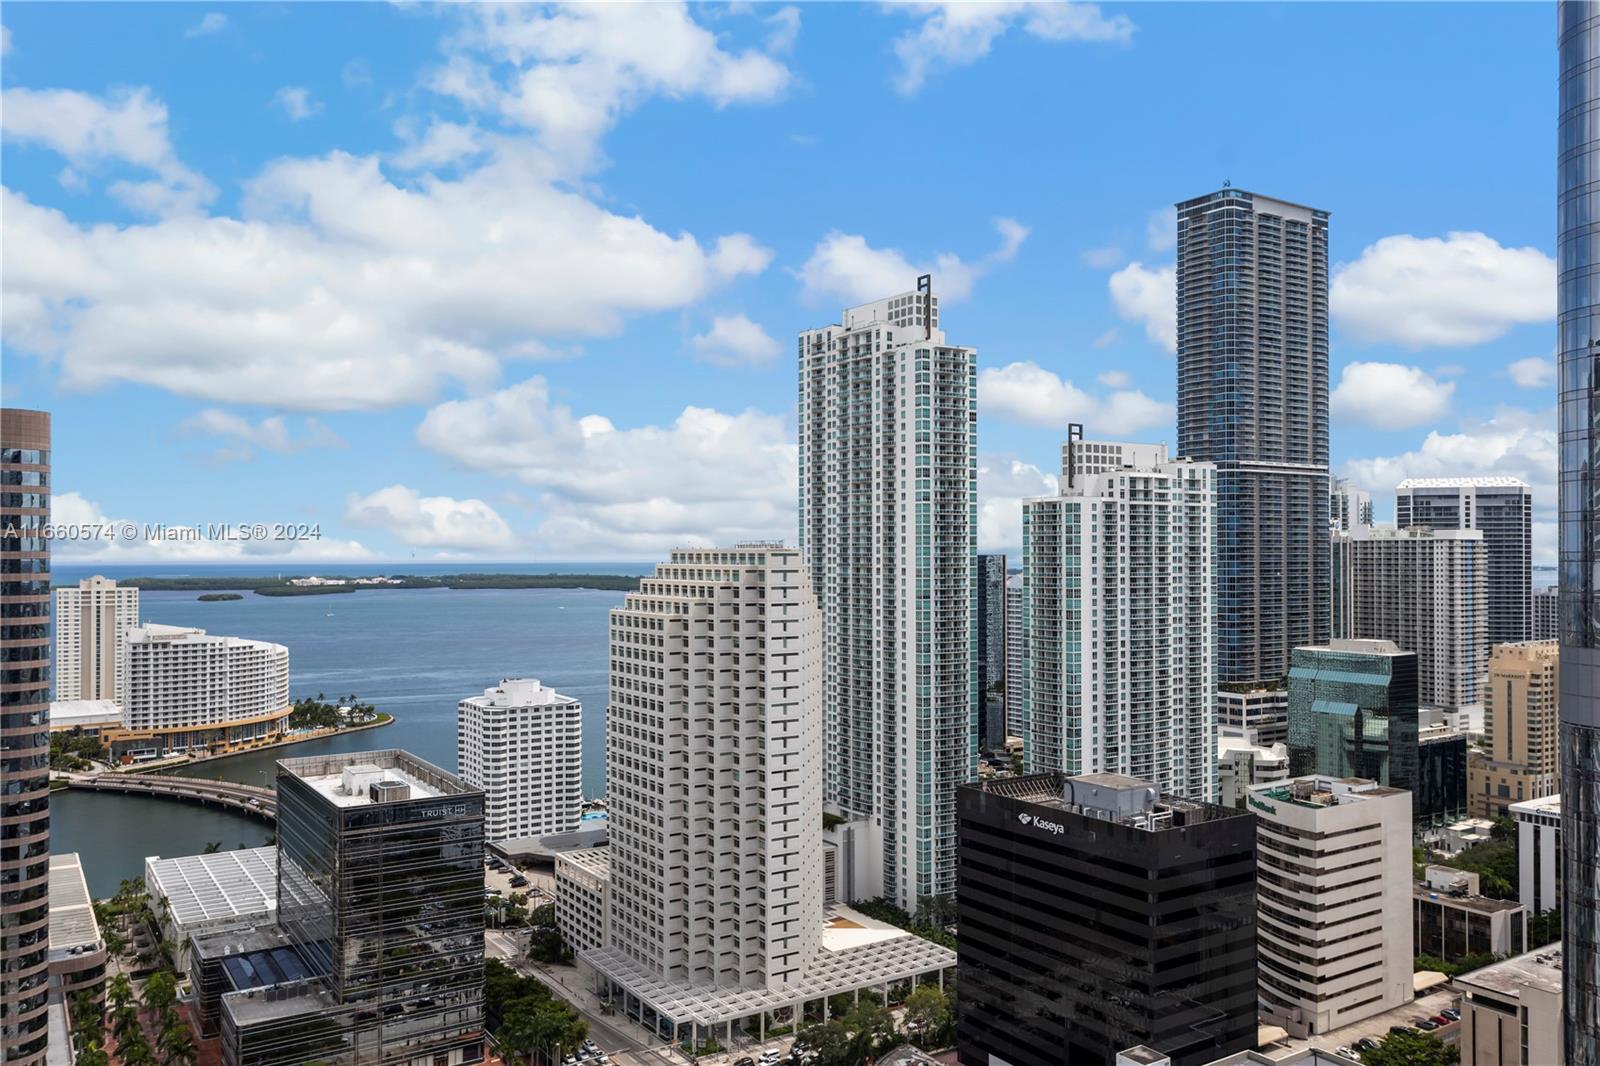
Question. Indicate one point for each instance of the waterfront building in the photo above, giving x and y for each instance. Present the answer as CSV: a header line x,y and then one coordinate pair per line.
x,y
1249,710
1521,750
888,527
1118,671
24,735
1349,506
581,880
1511,1012
1539,853
97,718
1095,914
991,652
377,952
220,892
521,744
714,755
1546,613
77,951
1501,508
92,624
1252,280
1453,919
191,691
1242,762
1334,913
1425,589
1016,635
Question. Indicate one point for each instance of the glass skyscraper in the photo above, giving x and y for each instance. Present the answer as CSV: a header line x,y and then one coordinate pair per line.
x,y
1578,244
1253,399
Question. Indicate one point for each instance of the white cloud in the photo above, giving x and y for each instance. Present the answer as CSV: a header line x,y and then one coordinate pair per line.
x,y
1106,339
211,22
1533,372
1028,393
296,102
959,34
1103,258
5,41
785,29
1114,379
845,266
271,434
1148,295
72,509
1458,290
443,144
127,127
1389,396
734,340
1161,229
1003,483
430,521
708,478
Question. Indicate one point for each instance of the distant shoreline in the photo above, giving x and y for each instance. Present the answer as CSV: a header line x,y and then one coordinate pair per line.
x,y
336,584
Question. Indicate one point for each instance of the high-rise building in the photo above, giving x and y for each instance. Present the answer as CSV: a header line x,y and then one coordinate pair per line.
x,y
1261,713
1334,911
1425,589
888,524
189,689
1015,637
1253,399
1095,914
1341,559
1502,507
1578,299
522,745
24,734
92,624
1547,613
992,652
1349,506
1521,758
1118,672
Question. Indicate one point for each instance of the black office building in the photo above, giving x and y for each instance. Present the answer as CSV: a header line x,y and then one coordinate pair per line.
x,y
1096,915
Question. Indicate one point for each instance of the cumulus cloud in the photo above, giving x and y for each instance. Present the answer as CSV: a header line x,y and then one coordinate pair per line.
x,y
1161,229
708,478
734,340
296,102
1028,393
440,522
244,438
442,144
1003,483
784,29
211,22
1148,295
959,34
73,509
1533,372
1389,396
127,127
1114,379
1452,291
844,266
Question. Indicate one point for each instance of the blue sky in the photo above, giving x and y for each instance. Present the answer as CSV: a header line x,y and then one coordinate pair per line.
x,y
505,283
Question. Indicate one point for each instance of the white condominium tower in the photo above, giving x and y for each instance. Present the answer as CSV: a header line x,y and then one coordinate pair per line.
x,y
1348,505
888,515
522,745
1502,507
92,624
1119,655
714,764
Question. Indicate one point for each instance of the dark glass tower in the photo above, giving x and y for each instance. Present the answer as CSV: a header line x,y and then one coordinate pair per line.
x,y
1578,254
1253,398
1096,916
24,734
991,652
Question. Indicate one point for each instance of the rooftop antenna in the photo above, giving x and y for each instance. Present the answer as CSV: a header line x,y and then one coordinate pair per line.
x,y
925,286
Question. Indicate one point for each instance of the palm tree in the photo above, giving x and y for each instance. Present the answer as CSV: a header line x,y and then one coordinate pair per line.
x,y
91,1054
119,993
177,1047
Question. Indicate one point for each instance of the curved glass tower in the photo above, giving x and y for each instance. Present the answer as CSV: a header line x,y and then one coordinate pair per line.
x,y
1578,225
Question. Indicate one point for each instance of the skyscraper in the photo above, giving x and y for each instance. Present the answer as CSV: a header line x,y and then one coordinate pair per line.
x,y
1253,399
1502,507
1015,634
24,734
522,744
92,623
888,523
1578,303
991,652
1118,672
1521,759
1349,506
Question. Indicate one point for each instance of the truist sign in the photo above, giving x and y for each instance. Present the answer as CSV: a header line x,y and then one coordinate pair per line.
x,y
1054,828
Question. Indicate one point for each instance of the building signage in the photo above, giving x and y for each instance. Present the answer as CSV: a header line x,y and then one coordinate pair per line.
x,y
1055,828
1260,805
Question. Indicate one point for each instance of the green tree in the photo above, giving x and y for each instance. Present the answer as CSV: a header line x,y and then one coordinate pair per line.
x,y
160,990
119,992
1544,928
830,1040
1504,829
871,1031
90,1053
177,1047
1411,1049
927,1015
211,848
540,1026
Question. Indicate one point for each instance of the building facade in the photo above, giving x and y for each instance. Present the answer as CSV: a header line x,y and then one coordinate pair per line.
x,y
1426,590
1453,920
1547,613
888,526
1016,636
1502,509
1334,916
1118,670
1577,307
1349,506
1241,763
1096,914
991,652
1539,853
521,744
24,734
92,624
78,955
1260,713
582,880
190,690
1253,399
1511,1012
1521,757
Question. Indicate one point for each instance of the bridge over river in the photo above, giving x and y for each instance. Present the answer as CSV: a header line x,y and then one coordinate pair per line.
x,y
256,802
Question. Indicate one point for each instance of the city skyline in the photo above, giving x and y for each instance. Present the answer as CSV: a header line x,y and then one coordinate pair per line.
x,y
409,468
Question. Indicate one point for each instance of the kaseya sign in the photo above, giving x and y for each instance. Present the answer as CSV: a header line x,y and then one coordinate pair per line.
x,y
1044,824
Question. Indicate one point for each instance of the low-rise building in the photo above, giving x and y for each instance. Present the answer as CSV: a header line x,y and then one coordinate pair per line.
x,y
1511,1011
522,744
77,950
1539,853
199,895
1452,919
1242,762
581,878
98,718
1259,711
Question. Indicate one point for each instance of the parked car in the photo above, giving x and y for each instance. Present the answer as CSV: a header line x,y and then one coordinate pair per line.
x,y
1441,1020
1427,1025
1366,1043
1451,1013
519,881
1397,1029
746,1061
1347,1052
